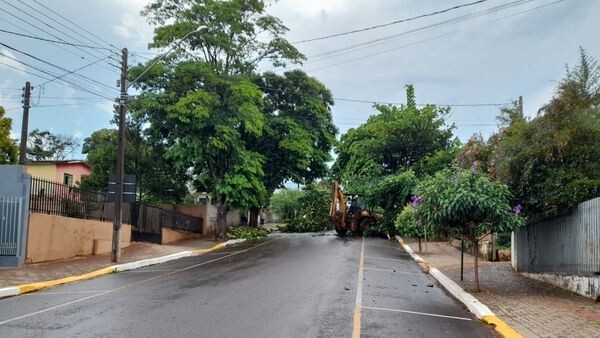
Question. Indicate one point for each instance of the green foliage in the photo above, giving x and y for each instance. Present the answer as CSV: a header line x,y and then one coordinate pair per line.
x,y
397,138
42,145
8,149
391,193
551,162
409,226
312,211
231,46
159,181
284,204
299,132
466,204
249,233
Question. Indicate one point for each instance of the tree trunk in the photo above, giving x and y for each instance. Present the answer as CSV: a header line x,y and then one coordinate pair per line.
x,y
254,214
221,226
476,253
419,244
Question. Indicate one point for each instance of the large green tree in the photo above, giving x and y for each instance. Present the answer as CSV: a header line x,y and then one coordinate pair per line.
x,y
552,162
397,138
158,179
377,159
221,120
8,149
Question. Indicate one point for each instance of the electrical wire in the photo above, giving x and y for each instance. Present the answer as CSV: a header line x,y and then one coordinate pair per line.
x,y
46,24
459,19
423,104
76,25
390,23
87,90
433,38
59,67
53,41
74,70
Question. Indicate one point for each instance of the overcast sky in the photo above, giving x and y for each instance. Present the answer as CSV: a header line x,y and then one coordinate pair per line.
x,y
489,57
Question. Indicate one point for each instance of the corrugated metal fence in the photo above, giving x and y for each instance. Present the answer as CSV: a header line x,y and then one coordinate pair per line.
x,y
565,245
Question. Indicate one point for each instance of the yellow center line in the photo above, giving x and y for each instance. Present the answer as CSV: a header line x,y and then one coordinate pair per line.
x,y
357,308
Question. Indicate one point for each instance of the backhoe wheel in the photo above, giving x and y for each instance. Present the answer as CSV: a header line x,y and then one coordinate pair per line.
x,y
366,223
340,231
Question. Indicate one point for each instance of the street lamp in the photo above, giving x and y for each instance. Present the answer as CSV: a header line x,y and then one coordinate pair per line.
x,y
116,238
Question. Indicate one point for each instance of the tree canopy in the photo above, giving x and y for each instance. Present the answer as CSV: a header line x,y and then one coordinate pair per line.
x,y
8,149
397,138
43,145
551,163
238,134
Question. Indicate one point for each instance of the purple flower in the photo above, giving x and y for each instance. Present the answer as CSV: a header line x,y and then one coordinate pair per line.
x,y
416,200
474,167
517,209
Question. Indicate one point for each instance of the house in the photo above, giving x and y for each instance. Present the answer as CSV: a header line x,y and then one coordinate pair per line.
x,y
65,172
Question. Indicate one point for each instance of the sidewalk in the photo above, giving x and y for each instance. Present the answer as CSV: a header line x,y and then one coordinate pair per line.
x,y
31,273
533,308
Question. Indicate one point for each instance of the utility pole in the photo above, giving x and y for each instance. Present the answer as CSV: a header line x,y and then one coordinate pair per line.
x,y
521,105
116,238
25,123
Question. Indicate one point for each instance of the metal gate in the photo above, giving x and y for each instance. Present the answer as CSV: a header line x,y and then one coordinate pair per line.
x,y
14,215
11,210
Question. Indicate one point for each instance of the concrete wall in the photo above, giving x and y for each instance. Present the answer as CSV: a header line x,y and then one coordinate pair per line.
x,y
587,286
54,237
171,236
208,213
45,171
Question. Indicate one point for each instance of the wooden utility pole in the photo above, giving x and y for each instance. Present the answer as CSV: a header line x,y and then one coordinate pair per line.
x,y
25,123
116,238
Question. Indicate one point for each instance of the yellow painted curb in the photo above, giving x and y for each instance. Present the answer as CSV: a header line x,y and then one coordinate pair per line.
x,y
201,251
26,288
501,327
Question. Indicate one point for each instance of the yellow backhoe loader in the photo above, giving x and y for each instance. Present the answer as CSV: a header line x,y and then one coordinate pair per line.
x,y
348,214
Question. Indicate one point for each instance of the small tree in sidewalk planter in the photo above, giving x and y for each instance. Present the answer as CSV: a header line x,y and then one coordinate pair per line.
x,y
468,205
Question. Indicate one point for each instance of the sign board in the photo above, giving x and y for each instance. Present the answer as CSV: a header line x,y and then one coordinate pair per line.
x,y
129,188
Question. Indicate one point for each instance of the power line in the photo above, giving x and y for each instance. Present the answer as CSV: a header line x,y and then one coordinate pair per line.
x,y
53,65
51,74
432,38
53,41
33,34
425,104
76,25
427,27
63,25
73,71
46,24
390,23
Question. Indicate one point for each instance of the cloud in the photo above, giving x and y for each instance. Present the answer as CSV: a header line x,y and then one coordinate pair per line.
x,y
8,59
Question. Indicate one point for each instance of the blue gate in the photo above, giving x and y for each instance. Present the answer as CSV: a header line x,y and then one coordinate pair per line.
x,y
14,215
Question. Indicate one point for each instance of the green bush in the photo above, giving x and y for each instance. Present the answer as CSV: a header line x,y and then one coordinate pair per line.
x,y
312,211
284,204
249,233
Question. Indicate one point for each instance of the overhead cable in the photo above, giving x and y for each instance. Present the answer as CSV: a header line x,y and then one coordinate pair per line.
x,y
390,23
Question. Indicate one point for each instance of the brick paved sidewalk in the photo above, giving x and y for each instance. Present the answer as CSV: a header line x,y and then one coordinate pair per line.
x,y
38,272
533,308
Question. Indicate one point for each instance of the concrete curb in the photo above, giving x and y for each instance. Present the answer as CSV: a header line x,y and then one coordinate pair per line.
x,y
32,287
481,311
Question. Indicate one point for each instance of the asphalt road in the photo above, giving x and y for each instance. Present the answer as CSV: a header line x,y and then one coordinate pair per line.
x,y
285,286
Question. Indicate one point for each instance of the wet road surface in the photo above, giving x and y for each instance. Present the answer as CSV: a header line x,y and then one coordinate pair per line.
x,y
285,286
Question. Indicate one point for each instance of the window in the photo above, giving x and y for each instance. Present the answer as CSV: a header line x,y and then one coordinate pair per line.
x,y
68,179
